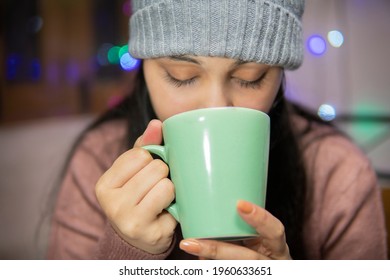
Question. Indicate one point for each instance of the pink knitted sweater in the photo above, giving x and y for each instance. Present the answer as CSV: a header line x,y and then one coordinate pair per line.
x,y
346,219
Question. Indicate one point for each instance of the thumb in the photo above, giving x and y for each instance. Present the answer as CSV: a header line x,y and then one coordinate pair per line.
x,y
152,134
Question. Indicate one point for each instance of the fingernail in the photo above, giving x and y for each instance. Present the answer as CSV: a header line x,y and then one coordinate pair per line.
x,y
245,207
190,246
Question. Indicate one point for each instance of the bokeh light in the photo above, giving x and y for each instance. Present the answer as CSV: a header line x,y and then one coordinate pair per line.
x,y
128,62
13,63
364,129
35,69
316,44
335,38
124,49
113,55
327,112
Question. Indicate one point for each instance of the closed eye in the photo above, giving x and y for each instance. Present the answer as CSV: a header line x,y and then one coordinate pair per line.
x,y
177,82
255,84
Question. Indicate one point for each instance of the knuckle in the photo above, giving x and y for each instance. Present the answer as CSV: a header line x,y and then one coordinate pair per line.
x,y
264,217
137,154
167,183
160,166
138,142
141,154
100,187
155,237
280,231
213,251
132,228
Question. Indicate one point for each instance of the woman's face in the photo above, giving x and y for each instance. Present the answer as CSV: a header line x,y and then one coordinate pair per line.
x,y
183,83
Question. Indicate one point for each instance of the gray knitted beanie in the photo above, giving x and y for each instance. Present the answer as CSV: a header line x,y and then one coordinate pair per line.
x,y
263,31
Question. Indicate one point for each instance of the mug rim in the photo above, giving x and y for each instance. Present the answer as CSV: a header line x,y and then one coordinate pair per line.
x,y
195,111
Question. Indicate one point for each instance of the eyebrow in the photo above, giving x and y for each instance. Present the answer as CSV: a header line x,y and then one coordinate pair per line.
x,y
239,62
184,58
187,58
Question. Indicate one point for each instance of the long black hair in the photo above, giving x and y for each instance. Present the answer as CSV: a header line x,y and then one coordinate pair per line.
x,y
286,187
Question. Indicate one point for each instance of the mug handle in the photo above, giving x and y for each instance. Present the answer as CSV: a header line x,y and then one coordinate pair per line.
x,y
161,152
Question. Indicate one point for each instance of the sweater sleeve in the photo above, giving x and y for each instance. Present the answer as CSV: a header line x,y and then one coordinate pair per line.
x,y
346,214
79,228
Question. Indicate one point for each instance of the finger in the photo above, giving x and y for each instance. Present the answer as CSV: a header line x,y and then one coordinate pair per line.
x,y
271,230
158,198
142,182
152,134
124,167
216,250
264,222
157,235
167,223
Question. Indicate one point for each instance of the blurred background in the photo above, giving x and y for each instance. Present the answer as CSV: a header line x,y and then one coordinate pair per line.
x,y
62,62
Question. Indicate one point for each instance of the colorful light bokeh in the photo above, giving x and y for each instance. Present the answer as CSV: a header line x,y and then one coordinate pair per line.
x,y
124,49
316,44
35,69
327,112
366,129
18,68
111,54
335,38
128,63
13,62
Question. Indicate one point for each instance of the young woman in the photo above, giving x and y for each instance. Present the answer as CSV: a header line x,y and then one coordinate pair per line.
x,y
323,201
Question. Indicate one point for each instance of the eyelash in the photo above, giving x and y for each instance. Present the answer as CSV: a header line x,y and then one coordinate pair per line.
x,y
179,83
242,83
251,84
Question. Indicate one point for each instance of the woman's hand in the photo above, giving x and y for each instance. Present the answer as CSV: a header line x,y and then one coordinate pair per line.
x,y
134,192
270,245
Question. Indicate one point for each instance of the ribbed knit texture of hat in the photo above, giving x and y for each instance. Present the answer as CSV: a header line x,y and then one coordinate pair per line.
x,y
263,31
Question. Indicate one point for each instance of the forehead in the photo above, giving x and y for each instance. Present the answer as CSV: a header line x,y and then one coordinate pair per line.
x,y
210,61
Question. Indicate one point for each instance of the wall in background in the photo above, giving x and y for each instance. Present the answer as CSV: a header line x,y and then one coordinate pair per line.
x,y
349,73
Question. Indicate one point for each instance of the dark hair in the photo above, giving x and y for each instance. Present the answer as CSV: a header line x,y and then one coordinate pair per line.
x,y
286,188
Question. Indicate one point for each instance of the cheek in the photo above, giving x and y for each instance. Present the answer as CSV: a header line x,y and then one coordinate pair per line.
x,y
266,99
266,104
166,102
160,101
261,101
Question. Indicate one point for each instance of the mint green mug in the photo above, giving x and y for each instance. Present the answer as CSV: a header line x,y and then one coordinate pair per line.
x,y
216,157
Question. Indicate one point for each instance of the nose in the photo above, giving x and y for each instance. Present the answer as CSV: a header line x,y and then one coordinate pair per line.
x,y
217,97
